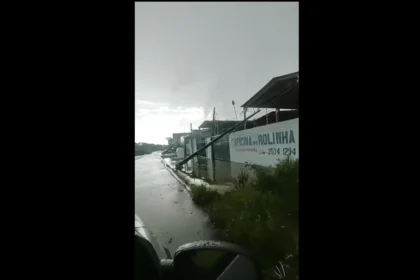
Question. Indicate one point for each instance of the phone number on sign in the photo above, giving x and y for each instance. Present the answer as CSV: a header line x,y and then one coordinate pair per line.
x,y
282,151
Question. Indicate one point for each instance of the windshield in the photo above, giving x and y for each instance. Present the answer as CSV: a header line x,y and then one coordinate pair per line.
x,y
217,127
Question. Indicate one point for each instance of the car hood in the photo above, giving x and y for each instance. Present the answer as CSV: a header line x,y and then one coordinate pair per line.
x,y
144,232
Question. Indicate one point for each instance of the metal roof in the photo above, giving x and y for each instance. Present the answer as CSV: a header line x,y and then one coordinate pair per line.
x,y
280,93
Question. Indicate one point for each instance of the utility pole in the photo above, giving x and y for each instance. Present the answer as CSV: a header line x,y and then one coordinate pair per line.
x,y
213,161
245,117
214,122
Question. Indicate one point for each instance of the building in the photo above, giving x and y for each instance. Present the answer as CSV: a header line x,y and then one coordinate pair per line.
x,y
263,141
279,93
176,137
274,136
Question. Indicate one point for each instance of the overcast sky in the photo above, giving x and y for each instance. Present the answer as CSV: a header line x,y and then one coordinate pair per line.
x,y
193,56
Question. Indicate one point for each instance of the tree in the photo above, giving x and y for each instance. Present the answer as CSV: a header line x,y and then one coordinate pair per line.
x,y
146,148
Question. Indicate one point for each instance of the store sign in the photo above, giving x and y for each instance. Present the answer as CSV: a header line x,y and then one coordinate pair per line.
x,y
265,145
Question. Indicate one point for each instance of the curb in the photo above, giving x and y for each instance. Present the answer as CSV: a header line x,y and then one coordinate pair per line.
x,y
173,173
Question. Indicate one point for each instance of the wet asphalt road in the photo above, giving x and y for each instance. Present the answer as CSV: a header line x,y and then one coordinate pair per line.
x,y
165,206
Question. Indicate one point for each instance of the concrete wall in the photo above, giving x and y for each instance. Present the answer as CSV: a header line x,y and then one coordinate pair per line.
x,y
264,145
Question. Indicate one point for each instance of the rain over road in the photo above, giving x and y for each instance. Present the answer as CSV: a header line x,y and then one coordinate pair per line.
x,y
165,206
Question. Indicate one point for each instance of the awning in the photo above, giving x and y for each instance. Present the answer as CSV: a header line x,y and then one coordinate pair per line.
x,y
282,116
280,93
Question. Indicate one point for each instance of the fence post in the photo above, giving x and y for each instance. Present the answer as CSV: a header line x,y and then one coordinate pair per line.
x,y
213,162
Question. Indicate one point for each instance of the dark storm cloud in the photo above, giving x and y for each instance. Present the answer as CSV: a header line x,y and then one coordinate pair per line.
x,y
207,54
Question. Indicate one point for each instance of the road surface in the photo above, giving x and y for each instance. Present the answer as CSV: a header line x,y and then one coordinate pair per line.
x,y
165,206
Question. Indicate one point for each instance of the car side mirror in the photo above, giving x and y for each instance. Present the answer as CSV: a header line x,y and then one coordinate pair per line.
x,y
213,260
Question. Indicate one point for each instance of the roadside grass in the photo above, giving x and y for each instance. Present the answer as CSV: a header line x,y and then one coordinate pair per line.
x,y
260,215
203,196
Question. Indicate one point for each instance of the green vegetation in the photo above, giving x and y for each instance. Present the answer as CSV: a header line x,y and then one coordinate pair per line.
x,y
203,196
260,215
145,148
